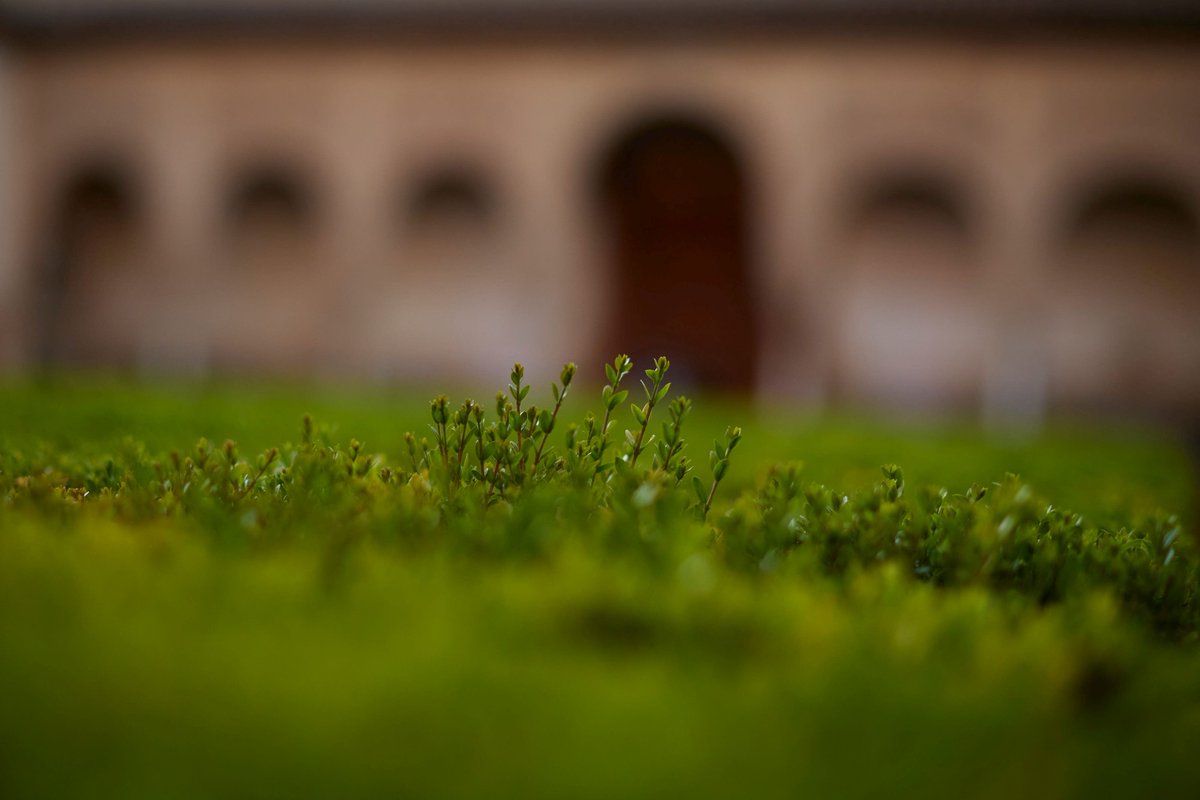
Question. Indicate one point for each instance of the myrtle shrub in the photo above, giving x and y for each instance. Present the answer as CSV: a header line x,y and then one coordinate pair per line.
x,y
514,481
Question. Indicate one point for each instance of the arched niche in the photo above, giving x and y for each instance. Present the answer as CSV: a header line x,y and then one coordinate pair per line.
x,y
273,288
1125,291
1136,224
442,296
452,199
912,221
93,260
672,195
450,218
271,219
912,328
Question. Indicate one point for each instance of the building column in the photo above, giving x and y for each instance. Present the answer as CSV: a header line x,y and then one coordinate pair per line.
x,y
793,248
1015,262
180,215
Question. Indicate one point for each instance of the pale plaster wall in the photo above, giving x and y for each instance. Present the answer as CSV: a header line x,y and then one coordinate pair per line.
x,y
1015,125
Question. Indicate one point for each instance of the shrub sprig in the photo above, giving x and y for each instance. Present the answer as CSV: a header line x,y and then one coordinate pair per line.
x,y
513,480
512,449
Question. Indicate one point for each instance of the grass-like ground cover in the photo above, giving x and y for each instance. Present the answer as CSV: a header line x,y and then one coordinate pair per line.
x,y
325,622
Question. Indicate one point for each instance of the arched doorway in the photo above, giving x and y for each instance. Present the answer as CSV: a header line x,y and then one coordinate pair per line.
x,y
673,198
92,260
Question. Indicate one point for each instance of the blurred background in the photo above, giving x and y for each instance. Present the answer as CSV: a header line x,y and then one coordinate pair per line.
x,y
987,209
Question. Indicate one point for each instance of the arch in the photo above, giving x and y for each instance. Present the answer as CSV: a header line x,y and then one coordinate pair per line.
x,y
912,209
452,199
672,194
1125,336
909,332
1134,212
271,216
94,248
274,290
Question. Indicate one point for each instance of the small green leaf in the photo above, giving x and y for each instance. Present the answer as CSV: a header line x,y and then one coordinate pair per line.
x,y
639,413
734,435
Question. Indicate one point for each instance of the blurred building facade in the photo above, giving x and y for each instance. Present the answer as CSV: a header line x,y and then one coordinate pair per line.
x,y
927,205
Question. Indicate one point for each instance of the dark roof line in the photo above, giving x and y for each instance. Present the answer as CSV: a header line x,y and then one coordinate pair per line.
x,y
50,18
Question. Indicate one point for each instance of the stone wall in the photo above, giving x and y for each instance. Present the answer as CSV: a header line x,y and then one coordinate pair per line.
x,y
918,209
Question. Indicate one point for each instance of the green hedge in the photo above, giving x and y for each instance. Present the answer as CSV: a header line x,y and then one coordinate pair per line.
x,y
557,617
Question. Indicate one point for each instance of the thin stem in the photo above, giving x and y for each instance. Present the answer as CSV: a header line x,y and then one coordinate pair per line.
x,y
501,448
479,453
637,445
271,454
462,447
711,494
517,416
603,435
537,457
675,448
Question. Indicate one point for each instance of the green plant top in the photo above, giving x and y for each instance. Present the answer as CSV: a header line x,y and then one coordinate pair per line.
x,y
517,481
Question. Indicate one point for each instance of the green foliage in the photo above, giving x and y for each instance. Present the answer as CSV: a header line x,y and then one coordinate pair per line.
x,y
517,601
1006,539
